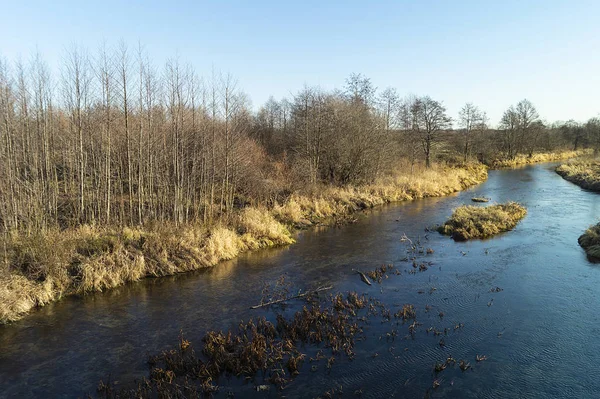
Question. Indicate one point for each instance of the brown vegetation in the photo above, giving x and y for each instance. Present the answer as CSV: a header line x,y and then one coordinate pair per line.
x,y
468,222
524,159
590,241
583,172
40,268
273,349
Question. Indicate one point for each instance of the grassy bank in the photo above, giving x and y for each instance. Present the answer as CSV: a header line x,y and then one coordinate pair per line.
x,y
522,159
41,268
583,172
468,222
590,242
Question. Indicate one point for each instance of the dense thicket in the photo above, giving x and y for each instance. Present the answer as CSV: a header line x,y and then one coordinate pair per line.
x,y
114,140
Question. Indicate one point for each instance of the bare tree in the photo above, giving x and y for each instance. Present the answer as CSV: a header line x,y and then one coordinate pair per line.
x,y
429,122
470,121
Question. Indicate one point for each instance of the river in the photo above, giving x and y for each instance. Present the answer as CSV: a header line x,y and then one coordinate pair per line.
x,y
541,333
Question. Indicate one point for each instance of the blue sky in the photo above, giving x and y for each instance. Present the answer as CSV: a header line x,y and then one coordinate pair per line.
x,y
491,53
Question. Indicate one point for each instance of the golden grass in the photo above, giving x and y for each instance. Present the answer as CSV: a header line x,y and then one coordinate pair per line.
x,y
468,222
522,159
583,172
44,267
304,209
590,242
586,174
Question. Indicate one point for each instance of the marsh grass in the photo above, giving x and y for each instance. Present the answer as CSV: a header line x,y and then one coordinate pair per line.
x,y
523,159
40,268
259,350
586,174
469,222
583,172
590,242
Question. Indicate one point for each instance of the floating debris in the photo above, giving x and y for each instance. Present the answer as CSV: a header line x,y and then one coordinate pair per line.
x,y
363,277
464,366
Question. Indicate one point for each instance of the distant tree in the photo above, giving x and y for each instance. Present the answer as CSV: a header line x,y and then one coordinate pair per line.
x,y
529,124
520,129
593,131
509,125
389,108
429,122
360,89
471,120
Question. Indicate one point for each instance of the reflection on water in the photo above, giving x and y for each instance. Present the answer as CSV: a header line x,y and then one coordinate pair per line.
x,y
539,332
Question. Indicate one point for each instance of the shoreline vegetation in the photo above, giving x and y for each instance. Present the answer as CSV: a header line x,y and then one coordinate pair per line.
x,y
524,159
469,222
45,267
583,172
586,174
590,242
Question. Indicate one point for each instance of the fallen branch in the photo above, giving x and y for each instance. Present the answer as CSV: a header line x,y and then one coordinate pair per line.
x,y
363,277
292,297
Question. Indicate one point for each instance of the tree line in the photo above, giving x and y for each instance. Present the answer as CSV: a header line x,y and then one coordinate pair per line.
x,y
115,140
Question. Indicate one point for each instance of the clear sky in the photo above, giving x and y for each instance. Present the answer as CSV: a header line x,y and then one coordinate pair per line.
x,y
491,53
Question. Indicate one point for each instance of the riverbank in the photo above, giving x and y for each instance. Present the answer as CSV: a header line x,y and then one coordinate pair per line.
x,y
586,174
590,242
41,268
523,159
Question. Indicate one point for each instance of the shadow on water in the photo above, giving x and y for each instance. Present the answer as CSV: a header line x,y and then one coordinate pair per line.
x,y
539,332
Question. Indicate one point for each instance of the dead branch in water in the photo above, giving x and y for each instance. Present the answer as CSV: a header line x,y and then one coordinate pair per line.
x,y
363,277
292,297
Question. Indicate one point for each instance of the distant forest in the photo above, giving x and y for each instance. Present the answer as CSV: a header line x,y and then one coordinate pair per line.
x,y
114,139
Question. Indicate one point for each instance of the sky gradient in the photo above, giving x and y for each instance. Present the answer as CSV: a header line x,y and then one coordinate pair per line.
x,y
491,53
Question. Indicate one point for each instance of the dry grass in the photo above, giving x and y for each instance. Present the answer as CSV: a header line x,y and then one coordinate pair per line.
x,y
584,172
41,268
537,158
590,242
468,222
304,209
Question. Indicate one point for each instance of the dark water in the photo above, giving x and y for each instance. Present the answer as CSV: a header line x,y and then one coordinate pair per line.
x,y
547,314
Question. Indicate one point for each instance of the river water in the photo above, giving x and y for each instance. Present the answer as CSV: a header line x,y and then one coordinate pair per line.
x,y
541,333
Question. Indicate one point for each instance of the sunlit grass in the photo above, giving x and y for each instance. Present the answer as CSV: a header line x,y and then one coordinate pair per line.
x,y
39,268
590,242
523,159
583,172
468,222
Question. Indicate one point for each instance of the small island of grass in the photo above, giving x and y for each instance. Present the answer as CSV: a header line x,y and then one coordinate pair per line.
x,y
590,242
469,222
